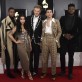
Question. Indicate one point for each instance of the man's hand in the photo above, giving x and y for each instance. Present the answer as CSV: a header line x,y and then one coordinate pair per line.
x,y
4,47
68,36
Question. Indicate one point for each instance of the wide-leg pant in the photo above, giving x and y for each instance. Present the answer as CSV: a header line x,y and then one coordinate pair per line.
x,y
24,53
49,47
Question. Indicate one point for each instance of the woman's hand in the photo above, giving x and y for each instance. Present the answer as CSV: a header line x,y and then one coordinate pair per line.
x,y
19,42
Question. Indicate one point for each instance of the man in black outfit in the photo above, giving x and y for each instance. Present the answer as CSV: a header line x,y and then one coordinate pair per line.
x,y
71,27
34,23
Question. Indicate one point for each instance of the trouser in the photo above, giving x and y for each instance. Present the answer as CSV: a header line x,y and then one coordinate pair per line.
x,y
49,47
15,56
34,57
7,60
67,46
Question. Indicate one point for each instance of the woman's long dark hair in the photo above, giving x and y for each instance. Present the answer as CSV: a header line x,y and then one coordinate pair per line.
x,y
19,24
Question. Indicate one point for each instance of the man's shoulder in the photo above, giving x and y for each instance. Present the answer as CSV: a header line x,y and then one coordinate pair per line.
x,y
42,17
28,18
62,17
3,20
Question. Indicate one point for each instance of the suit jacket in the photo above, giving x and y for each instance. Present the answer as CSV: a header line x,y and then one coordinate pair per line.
x,y
38,31
77,27
56,30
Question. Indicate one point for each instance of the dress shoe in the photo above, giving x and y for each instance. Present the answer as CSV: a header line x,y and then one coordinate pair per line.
x,y
70,76
10,75
17,71
53,77
43,75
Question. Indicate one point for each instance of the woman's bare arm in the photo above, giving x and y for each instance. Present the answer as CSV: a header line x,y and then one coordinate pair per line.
x,y
11,34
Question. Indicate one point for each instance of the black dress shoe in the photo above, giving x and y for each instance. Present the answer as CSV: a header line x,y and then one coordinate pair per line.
x,y
70,76
10,75
17,71
62,74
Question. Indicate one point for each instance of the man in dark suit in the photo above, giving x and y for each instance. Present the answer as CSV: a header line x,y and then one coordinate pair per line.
x,y
71,26
34,23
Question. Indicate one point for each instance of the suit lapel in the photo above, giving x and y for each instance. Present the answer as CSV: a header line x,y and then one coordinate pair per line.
x,y
43,28
32,21
54,28
38,22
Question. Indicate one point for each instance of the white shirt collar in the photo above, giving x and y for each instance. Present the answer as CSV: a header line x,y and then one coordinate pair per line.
x,y
36,17
53,20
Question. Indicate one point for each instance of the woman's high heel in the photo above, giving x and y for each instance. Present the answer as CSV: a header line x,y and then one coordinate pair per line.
x,y
23,74
30,76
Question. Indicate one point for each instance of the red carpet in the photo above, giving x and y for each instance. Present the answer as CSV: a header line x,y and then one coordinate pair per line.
x,y
77,77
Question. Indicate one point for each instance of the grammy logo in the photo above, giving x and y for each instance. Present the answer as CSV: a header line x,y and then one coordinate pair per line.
x,y
45,4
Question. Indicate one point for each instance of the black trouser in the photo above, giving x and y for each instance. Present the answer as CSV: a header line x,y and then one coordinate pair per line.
x,y
67,46
34,57
7,60
15,56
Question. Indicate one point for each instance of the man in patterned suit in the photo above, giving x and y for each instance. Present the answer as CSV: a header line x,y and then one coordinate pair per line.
x,y
51,33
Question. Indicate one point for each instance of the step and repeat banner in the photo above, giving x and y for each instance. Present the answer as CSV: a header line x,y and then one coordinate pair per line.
x,y
44,4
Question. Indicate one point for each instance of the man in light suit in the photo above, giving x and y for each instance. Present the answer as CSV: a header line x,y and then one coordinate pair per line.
x,y
51,32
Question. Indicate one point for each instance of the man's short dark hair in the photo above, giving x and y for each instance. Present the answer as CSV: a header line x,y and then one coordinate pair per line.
x,y
71,5
49,9
11,8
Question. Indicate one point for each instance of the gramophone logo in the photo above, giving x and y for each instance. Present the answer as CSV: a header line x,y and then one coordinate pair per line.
x,y
45,4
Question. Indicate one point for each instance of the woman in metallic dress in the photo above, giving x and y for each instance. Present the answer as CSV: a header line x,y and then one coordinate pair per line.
x,y
23,45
